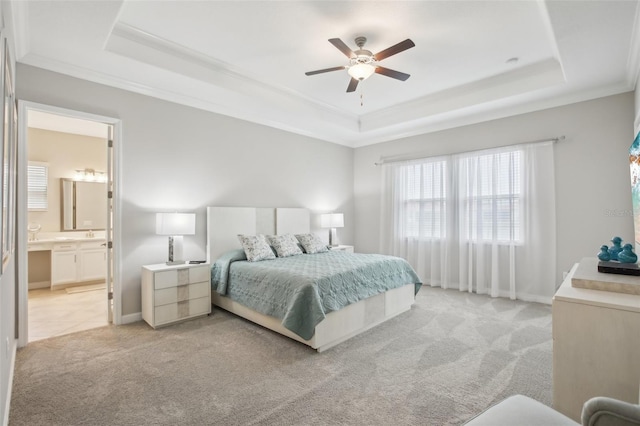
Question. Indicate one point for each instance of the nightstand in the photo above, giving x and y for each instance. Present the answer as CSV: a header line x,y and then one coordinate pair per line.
x,y
174,293
348,249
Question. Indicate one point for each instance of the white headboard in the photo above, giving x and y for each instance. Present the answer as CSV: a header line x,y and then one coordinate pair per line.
x,y
292,221
225,223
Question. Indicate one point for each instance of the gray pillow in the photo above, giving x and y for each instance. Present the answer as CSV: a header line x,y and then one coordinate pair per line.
x,y
256,247
285,245
312,243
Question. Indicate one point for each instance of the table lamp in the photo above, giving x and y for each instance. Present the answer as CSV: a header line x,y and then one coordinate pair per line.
x,y
175,225
333,221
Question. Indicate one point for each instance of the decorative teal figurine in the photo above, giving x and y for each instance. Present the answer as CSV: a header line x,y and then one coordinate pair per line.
x,y
627,255
604,253
615,248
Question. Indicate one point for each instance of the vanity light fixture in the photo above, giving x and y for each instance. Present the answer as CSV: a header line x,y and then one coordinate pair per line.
x,y
333,221
90,175
175,225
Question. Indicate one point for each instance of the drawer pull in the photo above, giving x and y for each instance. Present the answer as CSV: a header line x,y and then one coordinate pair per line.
x,y
183,276
183,292
183,309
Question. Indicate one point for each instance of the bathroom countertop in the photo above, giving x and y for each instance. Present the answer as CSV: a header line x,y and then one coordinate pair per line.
x,y
48,242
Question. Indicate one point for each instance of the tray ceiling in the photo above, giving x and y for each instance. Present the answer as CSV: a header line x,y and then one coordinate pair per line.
x,y
473,60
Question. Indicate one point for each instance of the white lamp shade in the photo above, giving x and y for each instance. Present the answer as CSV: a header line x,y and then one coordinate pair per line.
x,y
175,223
332,220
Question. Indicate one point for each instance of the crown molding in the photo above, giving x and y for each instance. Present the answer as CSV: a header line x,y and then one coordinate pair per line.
x,y
142,46
479,114
18,15
317,130
533,77
463,117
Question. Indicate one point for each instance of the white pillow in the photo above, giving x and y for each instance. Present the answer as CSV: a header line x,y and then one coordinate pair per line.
x,y
285,245
312,243
256,247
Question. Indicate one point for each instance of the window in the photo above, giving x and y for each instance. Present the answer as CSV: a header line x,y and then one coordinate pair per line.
x,y
426,203
493,201
477,221
477,193
37,185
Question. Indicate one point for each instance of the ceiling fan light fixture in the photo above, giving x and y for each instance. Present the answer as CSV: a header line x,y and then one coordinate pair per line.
x,y
363,63
361,71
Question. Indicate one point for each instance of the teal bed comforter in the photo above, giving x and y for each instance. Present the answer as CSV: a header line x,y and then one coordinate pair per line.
x,y
301,290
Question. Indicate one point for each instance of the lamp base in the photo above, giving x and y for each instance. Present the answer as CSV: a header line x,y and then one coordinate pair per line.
x,y
333,238
176,250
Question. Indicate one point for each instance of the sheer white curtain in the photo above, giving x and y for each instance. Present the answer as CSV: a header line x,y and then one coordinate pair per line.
x,y
482,221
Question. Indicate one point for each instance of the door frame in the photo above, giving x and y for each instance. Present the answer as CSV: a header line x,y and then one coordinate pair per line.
x,y
22,234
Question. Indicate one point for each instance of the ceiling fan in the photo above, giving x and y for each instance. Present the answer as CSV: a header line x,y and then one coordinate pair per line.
x,y
363,63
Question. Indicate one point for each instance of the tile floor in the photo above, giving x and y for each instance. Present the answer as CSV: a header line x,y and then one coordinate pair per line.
x,y
54,313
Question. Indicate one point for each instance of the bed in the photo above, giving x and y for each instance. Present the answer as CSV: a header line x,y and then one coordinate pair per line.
x,y
312,316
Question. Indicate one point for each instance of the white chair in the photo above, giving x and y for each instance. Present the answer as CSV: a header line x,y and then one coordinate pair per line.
x,y
520,410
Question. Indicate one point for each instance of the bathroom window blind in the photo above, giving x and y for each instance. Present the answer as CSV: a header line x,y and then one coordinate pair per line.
x,y
37,186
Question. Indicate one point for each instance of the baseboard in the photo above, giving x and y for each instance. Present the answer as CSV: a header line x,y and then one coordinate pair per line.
x,y
75,284
525,297
131,318
7,403
39,284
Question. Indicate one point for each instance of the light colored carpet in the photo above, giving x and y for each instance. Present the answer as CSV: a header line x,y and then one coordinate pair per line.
x,y
444,361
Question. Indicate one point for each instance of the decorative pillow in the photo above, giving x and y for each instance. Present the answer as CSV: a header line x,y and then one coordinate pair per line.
x,y
285,245
312,243
256,247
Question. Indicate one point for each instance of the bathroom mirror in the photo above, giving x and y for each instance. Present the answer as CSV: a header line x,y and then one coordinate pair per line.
x,y
84,205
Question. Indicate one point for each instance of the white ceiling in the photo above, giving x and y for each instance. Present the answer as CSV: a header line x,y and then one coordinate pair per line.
x,y
247,59
61,123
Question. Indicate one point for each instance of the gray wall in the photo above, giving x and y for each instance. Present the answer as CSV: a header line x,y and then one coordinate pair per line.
x,y
593,188
181,158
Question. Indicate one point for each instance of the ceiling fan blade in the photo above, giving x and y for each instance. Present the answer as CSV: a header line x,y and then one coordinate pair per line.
x,y
342,47
324,70
391,73
397,48
352,85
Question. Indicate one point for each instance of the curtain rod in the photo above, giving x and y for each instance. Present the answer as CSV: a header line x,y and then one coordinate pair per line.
x,y
387,160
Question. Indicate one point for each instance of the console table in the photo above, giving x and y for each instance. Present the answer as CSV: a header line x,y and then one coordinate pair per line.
x,y
596,346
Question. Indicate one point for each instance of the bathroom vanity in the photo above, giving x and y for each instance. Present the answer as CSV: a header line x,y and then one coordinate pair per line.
x,y
76,254
73,260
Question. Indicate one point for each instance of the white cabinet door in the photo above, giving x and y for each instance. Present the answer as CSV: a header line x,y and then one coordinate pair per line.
x,y
63,267
93,264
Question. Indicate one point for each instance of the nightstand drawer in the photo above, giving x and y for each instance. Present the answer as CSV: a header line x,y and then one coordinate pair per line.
x,y
181,293
182,276
185,309
199,273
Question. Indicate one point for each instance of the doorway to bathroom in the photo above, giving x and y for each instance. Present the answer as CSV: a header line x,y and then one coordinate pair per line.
x,y
66,281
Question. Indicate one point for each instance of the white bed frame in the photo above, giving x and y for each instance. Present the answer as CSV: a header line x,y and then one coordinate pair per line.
x,y
223,226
